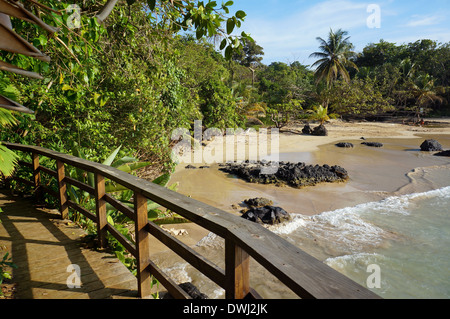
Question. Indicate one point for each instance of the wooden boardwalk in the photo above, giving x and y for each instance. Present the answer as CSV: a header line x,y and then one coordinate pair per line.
x,y
43,247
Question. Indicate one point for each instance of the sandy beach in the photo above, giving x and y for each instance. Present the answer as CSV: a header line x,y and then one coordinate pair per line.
x,y
374,173
397,168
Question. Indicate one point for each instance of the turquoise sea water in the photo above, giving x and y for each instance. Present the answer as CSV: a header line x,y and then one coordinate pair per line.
x,y
407,236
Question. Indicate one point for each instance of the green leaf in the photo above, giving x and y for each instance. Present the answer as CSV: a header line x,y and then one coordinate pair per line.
x,y
223,44
231,23
8,161
228,52
171,220
112,156
111,188
152,215
151,4
110,220
66,87
124,160
133,166
199,33
241,14
162,180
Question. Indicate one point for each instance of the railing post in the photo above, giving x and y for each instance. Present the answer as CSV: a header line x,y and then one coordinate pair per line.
x,y
237,271
142,246
36,175
62,190
100,205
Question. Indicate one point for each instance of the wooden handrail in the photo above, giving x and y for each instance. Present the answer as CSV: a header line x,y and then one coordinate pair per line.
x,y
302,273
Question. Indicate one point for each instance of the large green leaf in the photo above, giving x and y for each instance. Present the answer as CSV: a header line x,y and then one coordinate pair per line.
x,y
124,160
8,161
133,166
171,220
112,156
162,180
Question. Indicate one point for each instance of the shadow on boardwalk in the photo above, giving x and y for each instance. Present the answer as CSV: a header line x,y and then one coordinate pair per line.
x,y
43,247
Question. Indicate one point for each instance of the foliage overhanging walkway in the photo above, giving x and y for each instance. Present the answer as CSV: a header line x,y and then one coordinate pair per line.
x,y
43,247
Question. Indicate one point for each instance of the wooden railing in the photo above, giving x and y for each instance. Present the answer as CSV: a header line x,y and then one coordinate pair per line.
x,y
302,273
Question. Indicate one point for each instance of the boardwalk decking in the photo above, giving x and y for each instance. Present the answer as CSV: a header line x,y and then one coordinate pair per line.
x,y
43,247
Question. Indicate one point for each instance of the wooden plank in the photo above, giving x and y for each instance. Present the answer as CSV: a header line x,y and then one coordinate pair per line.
x,y
80,185
82,210
122,239
205,266
142,246
25,164
120,207
237,270
43,247
47,171
62,189
23,180
36,174
100,206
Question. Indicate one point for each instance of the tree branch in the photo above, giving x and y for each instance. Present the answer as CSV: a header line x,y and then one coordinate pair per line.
x,y
106,10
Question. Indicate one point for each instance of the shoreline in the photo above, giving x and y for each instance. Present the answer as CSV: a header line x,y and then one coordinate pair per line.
x,y
213,187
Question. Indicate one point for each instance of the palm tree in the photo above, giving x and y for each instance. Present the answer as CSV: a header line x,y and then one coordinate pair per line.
x,y
425,92
334,57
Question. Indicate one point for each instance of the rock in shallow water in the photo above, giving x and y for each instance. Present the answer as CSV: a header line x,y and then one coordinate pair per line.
x,y
344,144
443,153
373,144
431,146
267,215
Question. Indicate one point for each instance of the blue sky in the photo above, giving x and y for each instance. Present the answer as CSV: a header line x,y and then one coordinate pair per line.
x,y
287,29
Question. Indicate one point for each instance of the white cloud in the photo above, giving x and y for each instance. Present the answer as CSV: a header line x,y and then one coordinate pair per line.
x,y
295,34
420,20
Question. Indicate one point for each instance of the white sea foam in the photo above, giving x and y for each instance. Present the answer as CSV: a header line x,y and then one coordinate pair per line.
x,y
362,259
353,229
178,273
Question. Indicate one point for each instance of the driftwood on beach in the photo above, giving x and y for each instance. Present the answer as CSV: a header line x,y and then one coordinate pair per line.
x,y
285,173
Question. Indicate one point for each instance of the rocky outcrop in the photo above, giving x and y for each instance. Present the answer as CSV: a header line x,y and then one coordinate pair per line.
x,y
307,129
257,202
267,215
344,145
320,131
286,173
373,144
431,146
443,153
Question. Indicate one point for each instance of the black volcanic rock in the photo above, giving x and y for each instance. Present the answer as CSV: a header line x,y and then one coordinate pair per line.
x,y
431,146
258,202
373,144
286,173
320,130
344,145
307,129
267,215
443,153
